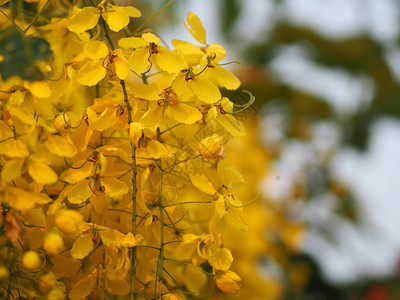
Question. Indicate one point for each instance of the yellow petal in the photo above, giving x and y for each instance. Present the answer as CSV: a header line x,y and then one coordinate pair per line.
x,y
151,38
103,164
111,236
119,287
81,136
131,241
169,61
224,78
221,260
131,11
82,288
132,42
121,68
79,193
191,53
95,49
203,184
231,125
237,218
184,113
21,113
60,146
153,117
99,202
145,91
113,187
16,98
220,207
41,172
139,60
217,51
12,169
195,27
102,122
91,73
83,19
135,132
205,90
24,200
82,246
14,148
228,175
155,149
38,89
117,19
76,175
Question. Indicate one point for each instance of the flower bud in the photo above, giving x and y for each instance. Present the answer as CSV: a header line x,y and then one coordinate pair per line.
x,y
56,294
53,243
31,260
47,282
68,221
211,148
228,281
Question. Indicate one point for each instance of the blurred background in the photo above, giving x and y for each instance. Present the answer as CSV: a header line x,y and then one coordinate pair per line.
x,y
325,75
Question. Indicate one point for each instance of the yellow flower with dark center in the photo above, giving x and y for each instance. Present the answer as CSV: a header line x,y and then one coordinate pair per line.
x,y
148,51
117,17
102,63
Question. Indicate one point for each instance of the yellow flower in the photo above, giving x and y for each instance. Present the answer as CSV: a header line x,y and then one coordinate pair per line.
x,y
222,115
228,281
148,51
227,206
141,137
218,74
169,107
113,64
194,82
117,17
210,247
208,57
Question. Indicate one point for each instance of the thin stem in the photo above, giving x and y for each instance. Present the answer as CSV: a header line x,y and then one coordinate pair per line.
x,y
134,192
177,284
160,266
172,127
16,26
146,246
152,17
35,18
190,265
189,202
105,29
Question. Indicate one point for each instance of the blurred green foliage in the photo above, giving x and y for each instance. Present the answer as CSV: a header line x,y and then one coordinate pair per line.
x,y
20,54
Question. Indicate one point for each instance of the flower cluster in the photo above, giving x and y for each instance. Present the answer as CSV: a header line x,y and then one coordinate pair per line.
x,y
114,180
